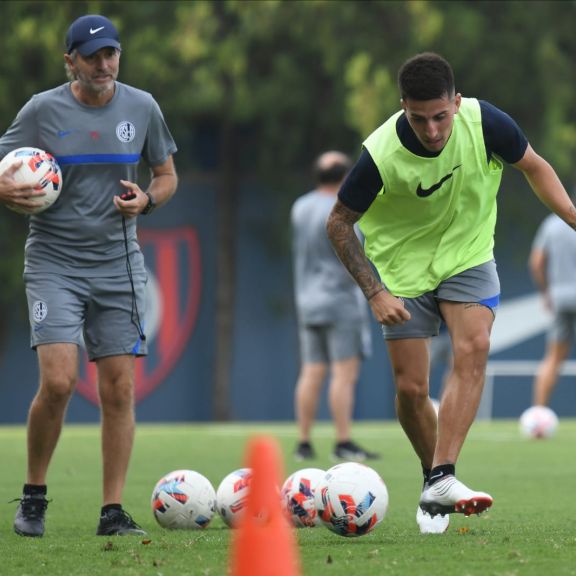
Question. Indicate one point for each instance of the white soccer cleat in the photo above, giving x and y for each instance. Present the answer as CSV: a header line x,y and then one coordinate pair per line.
x,y
450,495
432,524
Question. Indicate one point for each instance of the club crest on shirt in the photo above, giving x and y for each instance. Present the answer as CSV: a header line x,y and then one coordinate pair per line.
x,y
125,131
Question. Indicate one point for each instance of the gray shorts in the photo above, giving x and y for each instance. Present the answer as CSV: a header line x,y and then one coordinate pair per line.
x,y
327,343
563,327
95,312
479,284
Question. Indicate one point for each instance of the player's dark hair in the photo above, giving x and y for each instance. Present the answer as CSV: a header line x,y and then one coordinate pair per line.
x,y
332,173
426,76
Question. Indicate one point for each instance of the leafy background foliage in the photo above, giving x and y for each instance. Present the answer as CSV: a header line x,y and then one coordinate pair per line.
x,y
254,90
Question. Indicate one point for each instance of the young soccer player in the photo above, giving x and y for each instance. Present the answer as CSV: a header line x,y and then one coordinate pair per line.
x,y
424,192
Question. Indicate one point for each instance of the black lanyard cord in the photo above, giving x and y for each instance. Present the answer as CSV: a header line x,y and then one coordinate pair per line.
x,y
134,311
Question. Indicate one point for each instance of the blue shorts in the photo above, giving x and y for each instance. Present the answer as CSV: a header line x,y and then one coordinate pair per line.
x,y
479,284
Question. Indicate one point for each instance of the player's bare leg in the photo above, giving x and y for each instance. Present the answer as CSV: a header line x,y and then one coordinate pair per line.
x,y
58,365
556,353
416,413
341,396
308,387
116,389
469,326
344,374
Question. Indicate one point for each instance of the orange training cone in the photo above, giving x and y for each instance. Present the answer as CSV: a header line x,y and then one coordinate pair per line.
x,y
264,543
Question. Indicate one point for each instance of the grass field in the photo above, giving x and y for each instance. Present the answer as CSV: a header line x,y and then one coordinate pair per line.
x,y
530,530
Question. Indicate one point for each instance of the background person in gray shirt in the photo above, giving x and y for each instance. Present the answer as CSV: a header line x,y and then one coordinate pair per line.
x,y
84,271
333,323
553,267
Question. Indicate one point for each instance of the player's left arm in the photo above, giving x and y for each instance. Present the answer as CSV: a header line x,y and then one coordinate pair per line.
x,y
162,187
164,181
547,185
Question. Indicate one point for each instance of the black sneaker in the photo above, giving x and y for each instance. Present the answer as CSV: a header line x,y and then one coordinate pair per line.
x,y
304,451
29,520
351,451
116,522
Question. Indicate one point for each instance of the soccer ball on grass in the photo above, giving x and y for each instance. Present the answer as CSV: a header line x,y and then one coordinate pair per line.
x,y
351,499
297,497
183,499
232,494
39,169
538,422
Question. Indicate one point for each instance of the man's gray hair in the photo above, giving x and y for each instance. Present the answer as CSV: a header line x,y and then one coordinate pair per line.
x,y
69,73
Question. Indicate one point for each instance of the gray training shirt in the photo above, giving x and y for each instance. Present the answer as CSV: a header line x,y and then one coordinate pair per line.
x,y
96,147
558,241
325,293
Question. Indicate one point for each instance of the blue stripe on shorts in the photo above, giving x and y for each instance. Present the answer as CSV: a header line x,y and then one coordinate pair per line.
x,y
491,302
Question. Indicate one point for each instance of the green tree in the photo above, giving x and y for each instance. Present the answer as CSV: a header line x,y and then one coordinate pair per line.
x,y
278,81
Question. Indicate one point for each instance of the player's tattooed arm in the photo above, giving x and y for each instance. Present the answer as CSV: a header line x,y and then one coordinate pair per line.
x,y
340,228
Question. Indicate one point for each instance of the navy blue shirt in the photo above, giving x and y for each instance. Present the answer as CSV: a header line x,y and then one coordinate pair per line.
x,y
502,136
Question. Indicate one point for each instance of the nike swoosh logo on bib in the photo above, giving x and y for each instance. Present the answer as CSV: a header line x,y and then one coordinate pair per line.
x,y
425,192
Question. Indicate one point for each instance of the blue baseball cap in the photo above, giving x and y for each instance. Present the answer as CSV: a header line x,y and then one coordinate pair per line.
x,y
89,33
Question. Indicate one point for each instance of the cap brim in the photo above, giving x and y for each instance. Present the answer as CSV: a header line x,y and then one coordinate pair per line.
x,y
94,45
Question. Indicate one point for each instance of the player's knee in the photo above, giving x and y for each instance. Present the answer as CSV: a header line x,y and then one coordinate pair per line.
x,y
117,396
476,346
411,390
56,389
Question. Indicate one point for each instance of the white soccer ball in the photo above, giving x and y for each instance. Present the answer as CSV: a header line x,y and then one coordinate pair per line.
x,y
351,499
39,169
538,422
232,494
297,497
183,499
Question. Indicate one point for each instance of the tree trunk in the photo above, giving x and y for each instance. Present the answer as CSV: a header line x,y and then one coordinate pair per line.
x,y
226,209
